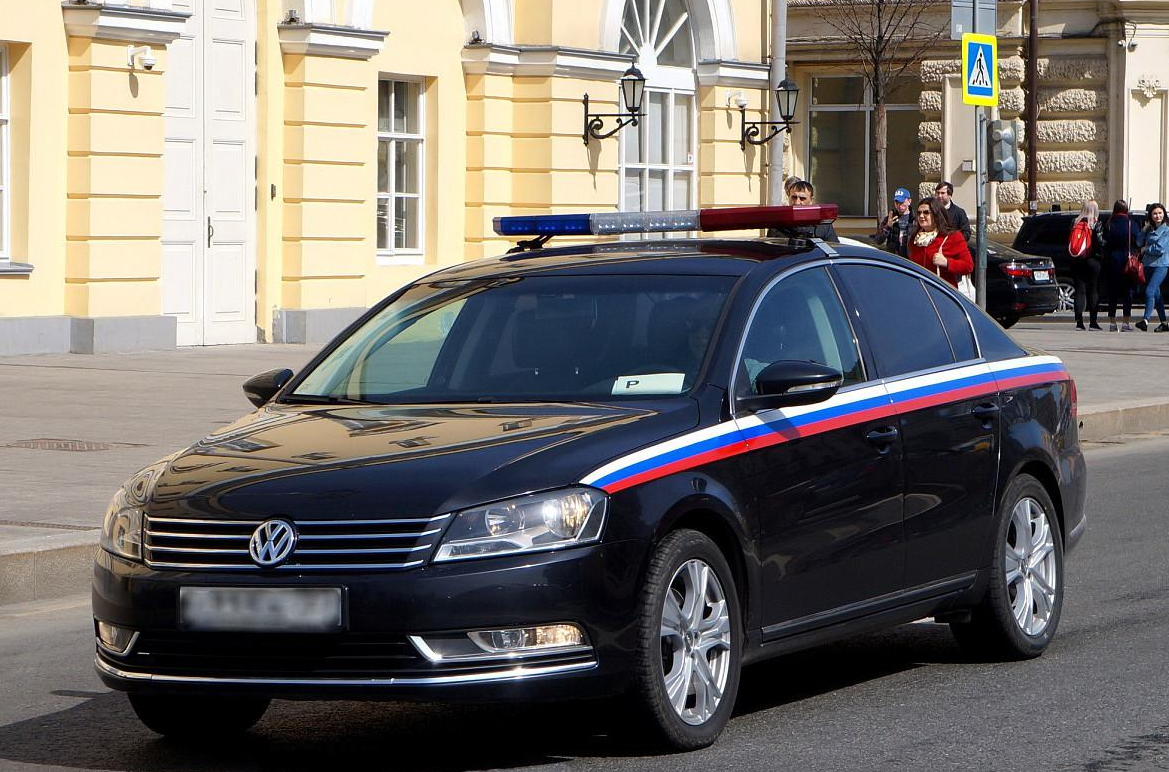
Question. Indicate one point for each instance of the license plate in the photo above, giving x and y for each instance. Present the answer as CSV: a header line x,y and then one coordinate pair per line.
x,y
260,609
1042,275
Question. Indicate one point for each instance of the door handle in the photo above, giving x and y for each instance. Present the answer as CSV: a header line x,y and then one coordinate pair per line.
x,y
210,231
883,437
986,412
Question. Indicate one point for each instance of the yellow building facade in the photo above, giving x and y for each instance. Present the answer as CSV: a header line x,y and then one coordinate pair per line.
x,y
196,172
189,172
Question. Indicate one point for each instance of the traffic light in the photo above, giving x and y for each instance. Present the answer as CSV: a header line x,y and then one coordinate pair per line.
x,y
1003,151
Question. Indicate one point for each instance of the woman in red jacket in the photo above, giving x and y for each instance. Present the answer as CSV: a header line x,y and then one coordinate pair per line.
x,y
936,245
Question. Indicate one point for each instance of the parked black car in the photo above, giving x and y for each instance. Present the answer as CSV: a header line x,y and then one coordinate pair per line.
x,y
615,470
1047,234
1019,285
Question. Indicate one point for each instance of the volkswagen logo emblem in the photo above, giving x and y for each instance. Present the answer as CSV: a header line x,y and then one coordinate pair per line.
x,y
272,543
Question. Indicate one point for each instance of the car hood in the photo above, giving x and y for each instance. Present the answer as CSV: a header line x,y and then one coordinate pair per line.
x,y
339,462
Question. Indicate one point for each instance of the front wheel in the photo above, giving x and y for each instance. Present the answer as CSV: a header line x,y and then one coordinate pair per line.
x,y
1018,616
197,717
689,642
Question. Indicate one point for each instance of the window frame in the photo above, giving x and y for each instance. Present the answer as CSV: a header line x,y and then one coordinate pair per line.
x,y
5,160
868,109
670,167
858,340
391,255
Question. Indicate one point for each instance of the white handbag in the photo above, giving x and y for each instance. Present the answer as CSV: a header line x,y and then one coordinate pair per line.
x,y
966,287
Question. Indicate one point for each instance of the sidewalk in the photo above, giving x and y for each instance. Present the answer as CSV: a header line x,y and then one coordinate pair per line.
x,y
118,413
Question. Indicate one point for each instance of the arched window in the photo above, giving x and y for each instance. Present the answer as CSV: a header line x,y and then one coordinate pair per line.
x,y
658,156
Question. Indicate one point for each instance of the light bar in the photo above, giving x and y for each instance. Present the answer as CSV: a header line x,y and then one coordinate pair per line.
x,y
611,223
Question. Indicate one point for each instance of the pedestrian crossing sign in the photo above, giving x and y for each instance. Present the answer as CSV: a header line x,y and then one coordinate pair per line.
x,y
980,72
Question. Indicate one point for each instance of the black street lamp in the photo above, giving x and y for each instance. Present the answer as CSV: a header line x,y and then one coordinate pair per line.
x,y
787,93
632,85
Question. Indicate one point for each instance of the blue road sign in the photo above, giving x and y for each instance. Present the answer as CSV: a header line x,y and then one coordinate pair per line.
x,y
980,81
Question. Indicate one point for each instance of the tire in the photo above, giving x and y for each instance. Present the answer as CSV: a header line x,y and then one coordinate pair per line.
x,y
1018,616
676,634
198,717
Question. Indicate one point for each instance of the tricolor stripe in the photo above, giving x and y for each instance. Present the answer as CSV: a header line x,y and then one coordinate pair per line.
x,y
883,400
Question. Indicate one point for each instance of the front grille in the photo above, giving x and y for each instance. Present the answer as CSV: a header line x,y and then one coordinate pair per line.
x,y
322,545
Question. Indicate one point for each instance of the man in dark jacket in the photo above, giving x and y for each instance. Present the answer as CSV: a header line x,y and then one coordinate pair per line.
x,y
801,193
893,234
944,192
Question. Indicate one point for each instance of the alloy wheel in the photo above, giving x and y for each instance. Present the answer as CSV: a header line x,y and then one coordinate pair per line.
x,y
1067,297
695,642
1030,558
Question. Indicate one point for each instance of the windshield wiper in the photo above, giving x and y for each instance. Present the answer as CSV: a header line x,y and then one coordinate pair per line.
x,y
321,399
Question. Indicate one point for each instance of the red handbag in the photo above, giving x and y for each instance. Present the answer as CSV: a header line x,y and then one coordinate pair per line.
x,y
1134,270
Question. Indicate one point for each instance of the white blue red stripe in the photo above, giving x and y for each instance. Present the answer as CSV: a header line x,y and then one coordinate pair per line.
x,y
869,403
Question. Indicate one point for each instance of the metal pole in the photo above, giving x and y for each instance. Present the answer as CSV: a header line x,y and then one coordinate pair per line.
x,y
979,185
1032,105
775,76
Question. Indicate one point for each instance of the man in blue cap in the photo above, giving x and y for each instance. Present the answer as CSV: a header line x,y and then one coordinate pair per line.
x,y
893,234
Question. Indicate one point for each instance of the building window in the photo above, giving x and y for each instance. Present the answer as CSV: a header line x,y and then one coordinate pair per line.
x,y
399,168
658,155
5,206
841,159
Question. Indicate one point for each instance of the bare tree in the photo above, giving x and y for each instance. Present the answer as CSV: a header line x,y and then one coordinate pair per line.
x,y
888,39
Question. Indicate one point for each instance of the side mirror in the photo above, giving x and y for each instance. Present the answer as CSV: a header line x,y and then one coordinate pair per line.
x,y
259,389
792,382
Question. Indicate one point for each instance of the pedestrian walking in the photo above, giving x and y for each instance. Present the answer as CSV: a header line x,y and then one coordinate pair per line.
x,y
944,192
1155,257
893,232
1085,245
1121,239
938,246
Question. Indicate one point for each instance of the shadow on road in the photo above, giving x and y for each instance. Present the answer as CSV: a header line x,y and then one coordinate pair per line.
x,y
102,733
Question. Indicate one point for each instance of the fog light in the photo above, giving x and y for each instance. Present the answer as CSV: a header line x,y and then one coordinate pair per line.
x,y
521,639
117,640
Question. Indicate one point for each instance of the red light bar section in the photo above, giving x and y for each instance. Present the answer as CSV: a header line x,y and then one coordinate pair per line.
x,y
747,217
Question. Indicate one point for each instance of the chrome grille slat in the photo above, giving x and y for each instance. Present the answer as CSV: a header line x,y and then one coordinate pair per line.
x,y
323,545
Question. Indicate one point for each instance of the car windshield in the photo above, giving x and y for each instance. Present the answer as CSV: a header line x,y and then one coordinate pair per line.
x,y
537,338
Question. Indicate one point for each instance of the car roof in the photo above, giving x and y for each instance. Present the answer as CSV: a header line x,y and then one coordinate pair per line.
x,y
709,257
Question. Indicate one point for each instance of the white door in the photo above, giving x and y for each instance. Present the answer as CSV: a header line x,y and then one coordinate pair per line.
x,y
208,243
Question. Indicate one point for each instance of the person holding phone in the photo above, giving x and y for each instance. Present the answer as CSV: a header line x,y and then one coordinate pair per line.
x,y
893,233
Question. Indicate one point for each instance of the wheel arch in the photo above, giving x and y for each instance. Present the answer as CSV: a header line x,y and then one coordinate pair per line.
x,y
1047,478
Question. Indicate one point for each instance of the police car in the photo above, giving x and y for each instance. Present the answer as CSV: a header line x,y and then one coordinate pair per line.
x,y
624,469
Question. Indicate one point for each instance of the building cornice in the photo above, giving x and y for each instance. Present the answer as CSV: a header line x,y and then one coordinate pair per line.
x,y
544,61
733,74
330,40
106,21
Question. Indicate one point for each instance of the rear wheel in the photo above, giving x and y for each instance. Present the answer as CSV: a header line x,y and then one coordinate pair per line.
x,y
689,642
1067,296
198,716
1018,616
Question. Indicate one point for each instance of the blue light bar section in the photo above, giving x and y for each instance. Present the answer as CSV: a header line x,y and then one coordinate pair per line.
x,y
544,224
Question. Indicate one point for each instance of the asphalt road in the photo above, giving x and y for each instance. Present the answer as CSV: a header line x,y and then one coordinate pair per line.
x,y
899,700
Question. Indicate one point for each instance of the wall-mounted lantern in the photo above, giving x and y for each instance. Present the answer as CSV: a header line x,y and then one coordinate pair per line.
x,y
786,95
632,93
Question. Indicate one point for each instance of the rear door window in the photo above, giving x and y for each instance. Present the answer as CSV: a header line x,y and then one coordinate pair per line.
x,y
956,325
900,322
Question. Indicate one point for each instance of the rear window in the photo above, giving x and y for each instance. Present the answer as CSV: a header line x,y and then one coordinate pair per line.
x,y
536,338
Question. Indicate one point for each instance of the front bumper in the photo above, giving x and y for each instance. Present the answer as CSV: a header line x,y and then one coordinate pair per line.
x,y
371,657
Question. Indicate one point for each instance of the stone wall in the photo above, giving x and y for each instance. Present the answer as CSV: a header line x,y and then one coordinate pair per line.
x,y
1072,156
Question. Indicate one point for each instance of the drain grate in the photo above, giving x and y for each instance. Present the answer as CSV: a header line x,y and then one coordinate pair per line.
x,y
82,446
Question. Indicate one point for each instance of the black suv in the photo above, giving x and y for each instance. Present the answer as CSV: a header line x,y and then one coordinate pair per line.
x,y
620,470
1047,234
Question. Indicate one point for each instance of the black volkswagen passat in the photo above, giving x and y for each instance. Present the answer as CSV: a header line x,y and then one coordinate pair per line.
x,y
615,470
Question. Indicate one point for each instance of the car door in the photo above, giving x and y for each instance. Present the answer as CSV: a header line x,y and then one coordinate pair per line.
x,y
946,398
827,476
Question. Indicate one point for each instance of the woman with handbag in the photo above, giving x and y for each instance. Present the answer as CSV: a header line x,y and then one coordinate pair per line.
x,y
1120,272
1154,243
940,248
1085,248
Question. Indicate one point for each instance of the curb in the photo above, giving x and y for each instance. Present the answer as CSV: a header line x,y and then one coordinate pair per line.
x,y
45,568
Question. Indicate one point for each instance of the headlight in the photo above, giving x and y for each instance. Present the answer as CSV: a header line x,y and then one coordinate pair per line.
x,y
121,532
542,521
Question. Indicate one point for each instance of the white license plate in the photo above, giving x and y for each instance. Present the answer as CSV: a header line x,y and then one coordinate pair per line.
x,y
260,609
1042,275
